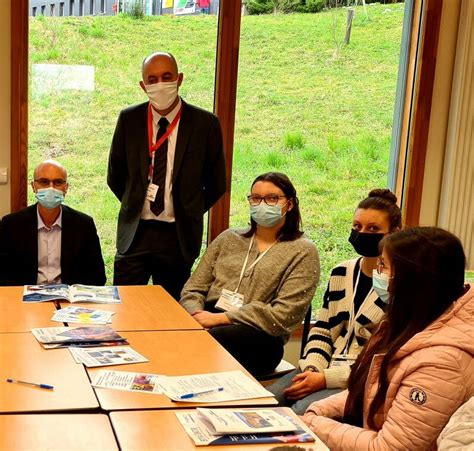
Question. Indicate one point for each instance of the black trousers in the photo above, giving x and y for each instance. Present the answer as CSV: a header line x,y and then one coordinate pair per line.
x,y
254,349
153,253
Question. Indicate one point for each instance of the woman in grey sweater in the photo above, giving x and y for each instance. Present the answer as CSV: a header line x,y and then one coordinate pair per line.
x,y
252,288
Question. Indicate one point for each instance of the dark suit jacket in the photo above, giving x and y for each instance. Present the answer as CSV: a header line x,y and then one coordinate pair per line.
x,y
198,173
81,257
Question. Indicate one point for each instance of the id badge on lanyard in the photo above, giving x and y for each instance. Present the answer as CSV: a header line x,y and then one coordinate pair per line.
x,y
230,301
233,300
152,189
342,360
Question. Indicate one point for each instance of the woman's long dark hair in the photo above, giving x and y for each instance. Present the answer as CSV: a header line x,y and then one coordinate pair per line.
x,y
291,229
427,266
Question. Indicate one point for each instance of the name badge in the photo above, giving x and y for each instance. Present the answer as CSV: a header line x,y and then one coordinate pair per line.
x,y
230,301
343,359
151,192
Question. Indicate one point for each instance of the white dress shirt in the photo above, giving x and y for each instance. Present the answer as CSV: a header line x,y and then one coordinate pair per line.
x,y
167,214
49,251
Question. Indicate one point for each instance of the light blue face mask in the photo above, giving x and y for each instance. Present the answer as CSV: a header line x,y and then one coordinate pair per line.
x,y
50,197
380,284
266,215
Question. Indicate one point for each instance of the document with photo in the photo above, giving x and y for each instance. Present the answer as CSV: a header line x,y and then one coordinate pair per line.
x,y
212,387
75,314
127,381
116,355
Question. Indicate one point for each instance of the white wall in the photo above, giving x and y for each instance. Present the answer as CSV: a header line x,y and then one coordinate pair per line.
x,y
5,103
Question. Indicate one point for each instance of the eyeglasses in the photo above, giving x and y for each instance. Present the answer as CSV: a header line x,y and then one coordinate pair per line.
x,y
45,183
270,199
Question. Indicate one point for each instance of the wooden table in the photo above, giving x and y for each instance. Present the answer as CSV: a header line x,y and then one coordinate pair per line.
x,y
17,316
56,432
171,353
161,430
23,358
147,307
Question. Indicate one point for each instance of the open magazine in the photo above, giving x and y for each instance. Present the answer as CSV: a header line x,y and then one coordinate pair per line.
x,y
71,293
256,421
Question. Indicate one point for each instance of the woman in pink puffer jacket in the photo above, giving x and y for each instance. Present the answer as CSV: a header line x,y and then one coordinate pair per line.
x,y
418,368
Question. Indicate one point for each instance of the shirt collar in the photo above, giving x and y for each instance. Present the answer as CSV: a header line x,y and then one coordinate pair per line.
x,y
58,222
170,116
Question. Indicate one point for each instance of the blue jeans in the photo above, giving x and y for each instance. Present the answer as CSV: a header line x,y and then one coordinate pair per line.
x,y
299,406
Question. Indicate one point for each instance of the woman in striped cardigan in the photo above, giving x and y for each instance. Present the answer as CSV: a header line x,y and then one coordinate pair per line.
x,y
350,311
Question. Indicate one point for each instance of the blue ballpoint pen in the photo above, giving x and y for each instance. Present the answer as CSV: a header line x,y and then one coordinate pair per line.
x,y
192,395
34,384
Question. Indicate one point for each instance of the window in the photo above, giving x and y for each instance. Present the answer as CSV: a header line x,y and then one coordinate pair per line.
x,y
33,11
71,8
102,6
52,9
92,7
61,9
43,8
81,8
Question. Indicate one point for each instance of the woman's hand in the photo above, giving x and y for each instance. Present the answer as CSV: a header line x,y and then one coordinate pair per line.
x,y
209,320
304,384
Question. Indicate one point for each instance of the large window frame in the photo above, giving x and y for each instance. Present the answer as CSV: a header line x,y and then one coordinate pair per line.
x,y
414,156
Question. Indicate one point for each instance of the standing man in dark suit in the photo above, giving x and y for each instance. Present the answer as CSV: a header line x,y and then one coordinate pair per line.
x,y
50,243
167,168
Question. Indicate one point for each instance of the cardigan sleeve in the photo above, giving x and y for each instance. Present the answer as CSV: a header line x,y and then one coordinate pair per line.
x,y
408,424
282,314
319,348
194,293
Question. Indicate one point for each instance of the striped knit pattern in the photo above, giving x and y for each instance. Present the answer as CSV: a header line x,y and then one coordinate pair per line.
x,y
329,334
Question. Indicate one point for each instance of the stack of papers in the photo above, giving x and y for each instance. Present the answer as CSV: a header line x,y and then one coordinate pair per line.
x,y
211,387
242,426
73,293
116,355
74,314
86,336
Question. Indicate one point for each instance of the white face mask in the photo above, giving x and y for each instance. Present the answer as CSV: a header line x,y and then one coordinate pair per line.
x,y
163,94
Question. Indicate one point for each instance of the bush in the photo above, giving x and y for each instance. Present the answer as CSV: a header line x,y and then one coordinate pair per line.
x,y
269,6
136,10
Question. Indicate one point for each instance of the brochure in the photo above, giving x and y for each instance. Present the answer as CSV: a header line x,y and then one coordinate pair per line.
x,y
84,334
128,381
244,421
74,314
71,293
117,355
198,429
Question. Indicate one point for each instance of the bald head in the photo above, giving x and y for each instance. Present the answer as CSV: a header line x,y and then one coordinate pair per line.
x,y
159,59
50,166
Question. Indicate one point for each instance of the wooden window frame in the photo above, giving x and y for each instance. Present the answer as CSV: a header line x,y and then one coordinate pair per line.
x,y
224,105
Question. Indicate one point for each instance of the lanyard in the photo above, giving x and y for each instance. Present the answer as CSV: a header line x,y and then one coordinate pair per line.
x,y
351,325
152,148
253,264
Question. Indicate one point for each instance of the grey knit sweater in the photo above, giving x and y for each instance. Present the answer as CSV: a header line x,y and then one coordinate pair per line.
x,y
277,290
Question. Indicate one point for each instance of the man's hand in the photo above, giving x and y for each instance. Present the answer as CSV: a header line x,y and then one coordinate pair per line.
x,y
209,320
304,384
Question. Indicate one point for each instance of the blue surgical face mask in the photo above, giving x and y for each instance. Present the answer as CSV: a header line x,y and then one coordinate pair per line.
x,y
50,197
380,284
266,215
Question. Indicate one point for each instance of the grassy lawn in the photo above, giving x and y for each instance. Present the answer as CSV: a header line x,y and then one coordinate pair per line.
x,y
306,106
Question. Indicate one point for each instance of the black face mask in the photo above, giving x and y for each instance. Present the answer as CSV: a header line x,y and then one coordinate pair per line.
x,y
366,244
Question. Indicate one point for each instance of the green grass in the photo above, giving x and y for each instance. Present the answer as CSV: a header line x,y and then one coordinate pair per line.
x,y
306,105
